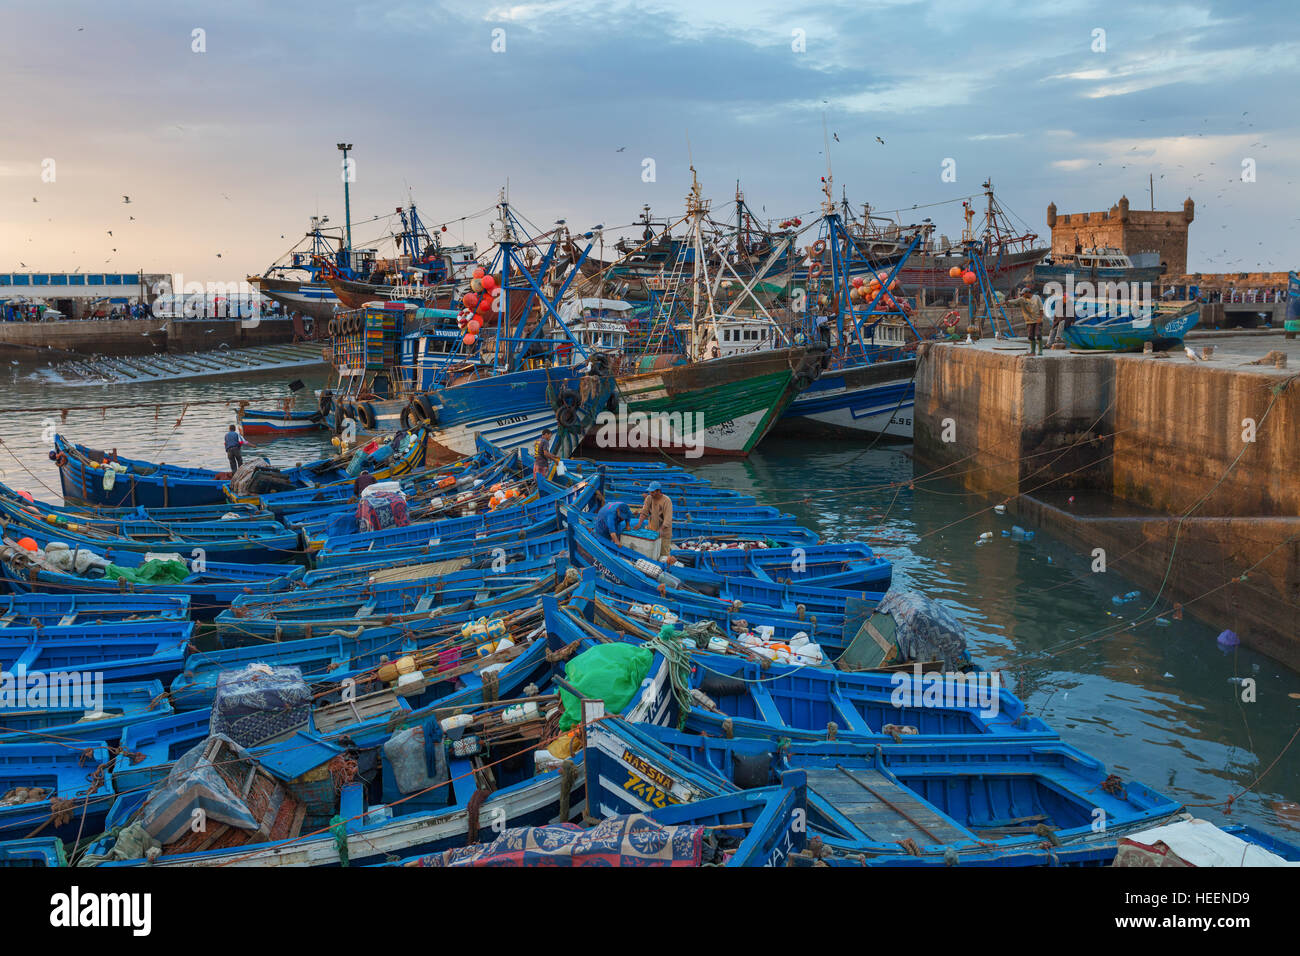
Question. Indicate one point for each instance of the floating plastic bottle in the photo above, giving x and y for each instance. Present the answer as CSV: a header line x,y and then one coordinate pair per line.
x,y
1119,599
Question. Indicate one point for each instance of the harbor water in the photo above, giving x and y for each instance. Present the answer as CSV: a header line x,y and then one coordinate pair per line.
x,y
1159,703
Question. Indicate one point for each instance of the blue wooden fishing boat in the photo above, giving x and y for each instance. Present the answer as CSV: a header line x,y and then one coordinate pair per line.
x,y
36,853
126,543
133,650
622,565
417,606
750,697
158,485
508,551
1129,332
209,590
69,718
164,516
40,610
530,517
357,655
68,789
269,423
752,828
150,747
448,809
936,804
858,400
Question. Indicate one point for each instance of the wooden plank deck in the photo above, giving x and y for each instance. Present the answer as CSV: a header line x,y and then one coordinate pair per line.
x,y
882,809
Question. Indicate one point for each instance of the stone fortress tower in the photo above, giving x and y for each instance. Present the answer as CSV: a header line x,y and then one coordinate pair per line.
x,y
1129,230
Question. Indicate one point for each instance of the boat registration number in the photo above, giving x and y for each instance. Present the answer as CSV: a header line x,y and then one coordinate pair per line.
x,y
648,792
511,420
647,770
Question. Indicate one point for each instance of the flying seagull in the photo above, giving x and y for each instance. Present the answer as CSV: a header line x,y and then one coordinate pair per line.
x,y
620,149
880,141
837,136
126,199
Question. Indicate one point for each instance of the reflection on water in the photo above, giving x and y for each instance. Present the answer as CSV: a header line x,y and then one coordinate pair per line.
x,y
1155,703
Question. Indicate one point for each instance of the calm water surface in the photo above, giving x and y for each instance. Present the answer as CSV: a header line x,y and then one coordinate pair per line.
x,y
1155,704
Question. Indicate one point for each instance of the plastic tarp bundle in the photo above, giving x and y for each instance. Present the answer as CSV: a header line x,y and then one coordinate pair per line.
x,y
153,571
417,758
609,672
259,703
376,512
258,477
634,840
925,629
1192,843
196,790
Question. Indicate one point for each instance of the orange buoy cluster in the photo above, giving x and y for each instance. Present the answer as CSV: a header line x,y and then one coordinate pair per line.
x,y
481,301
966,275
864,290
789,223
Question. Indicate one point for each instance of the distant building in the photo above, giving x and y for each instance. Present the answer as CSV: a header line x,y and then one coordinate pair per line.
x,y
1130,230
80,294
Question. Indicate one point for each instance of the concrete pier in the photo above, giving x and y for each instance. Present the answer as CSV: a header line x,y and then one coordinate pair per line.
x,y
1203,454
135,336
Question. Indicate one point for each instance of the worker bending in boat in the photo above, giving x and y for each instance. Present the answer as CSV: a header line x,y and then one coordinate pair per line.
x,y
612,520
233,454
657,511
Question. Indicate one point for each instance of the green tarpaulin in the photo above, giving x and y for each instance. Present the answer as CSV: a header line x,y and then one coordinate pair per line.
x,y
609,672
151,572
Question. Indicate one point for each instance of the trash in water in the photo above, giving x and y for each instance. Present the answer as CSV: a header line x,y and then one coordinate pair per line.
x,y
1228,639
1125,598
1163,622
1018,533
1000,509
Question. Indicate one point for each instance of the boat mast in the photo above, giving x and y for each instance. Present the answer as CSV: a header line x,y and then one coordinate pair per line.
x,y
344,148
697,207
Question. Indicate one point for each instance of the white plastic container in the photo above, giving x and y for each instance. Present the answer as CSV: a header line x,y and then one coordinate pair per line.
x,y
544,760
519,712
455,722
810,654
800,639
765,632
718,645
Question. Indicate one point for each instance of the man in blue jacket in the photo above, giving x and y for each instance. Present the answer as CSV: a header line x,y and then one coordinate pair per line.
x,y
612,520
233,454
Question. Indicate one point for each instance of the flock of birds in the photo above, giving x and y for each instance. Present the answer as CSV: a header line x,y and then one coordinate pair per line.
x,y
1199,178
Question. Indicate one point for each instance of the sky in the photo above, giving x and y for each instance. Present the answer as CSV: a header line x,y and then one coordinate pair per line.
x,y
220,121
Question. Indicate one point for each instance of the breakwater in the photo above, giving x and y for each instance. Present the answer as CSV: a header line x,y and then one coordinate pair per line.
x,y
136,336
1197,458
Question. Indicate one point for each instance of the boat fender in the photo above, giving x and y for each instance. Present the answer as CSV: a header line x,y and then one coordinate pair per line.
x,y
569,398
326,402
367,413
566,416
751,770
425,406
406,417
716,686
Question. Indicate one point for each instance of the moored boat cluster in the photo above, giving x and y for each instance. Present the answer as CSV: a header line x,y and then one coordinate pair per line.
x,y
522,656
